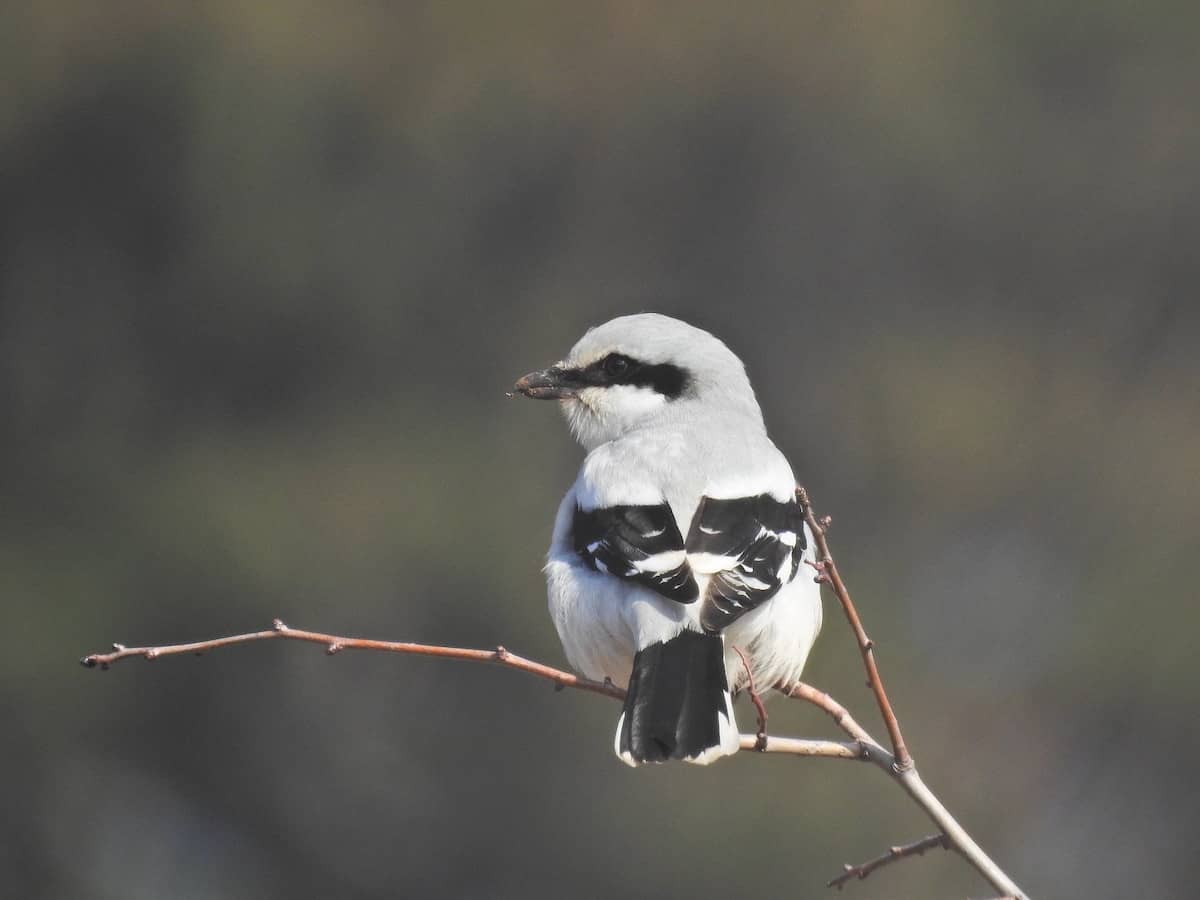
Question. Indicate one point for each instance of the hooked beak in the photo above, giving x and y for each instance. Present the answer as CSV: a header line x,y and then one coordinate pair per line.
x,y
553,383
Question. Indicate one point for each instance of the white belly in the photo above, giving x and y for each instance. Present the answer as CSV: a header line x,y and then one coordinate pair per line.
x,y
776,637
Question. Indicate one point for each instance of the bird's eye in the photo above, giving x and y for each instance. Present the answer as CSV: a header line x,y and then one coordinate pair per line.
x,y
616,365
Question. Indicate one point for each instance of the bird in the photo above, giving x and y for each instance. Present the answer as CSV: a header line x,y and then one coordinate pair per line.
x,y
675,564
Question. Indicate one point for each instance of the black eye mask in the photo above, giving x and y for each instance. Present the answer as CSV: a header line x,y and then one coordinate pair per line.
x,y
616,368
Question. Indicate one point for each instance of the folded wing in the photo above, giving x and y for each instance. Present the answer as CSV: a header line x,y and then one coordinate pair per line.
x,y
751,546
641,543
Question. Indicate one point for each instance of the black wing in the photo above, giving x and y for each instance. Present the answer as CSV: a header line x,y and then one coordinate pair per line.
x,y
641,543
754,544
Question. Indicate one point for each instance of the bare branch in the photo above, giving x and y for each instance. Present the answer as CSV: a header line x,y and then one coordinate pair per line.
x,y
802,747
500,656
894,854
759,708
958,836
828,574
898,764
818,698
334,644
910,780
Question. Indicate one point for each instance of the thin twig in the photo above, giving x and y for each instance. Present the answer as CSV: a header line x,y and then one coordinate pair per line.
x,y
894,854
898,764
829,575
818,698
849,750
334,644
910,780
500,656
759,708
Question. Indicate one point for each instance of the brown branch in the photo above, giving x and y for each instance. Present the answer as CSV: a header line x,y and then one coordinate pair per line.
x,y
828,574
894,854
850,750
818,698
898,764
500,656
759,708
334,644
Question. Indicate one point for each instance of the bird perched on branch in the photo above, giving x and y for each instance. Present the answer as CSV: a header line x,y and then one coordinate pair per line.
x,y
680,542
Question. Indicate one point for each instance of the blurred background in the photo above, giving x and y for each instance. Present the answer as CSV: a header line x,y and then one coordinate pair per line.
x,y
266,272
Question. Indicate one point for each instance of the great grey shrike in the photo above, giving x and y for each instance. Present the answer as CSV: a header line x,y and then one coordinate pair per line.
x,y
680,539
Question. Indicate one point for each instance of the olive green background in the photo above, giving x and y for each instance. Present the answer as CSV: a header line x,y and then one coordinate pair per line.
x,y
266,272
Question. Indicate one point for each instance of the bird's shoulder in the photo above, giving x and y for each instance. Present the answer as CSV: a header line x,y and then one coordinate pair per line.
x,y
680,464
747,464
644,468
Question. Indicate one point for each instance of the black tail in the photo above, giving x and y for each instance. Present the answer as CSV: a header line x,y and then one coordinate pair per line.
x,y
678,704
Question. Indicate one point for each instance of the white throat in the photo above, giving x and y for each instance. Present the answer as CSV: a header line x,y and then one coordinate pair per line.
x,y
599,415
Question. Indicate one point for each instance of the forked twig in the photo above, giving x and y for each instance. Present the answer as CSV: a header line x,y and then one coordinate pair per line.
x,y
828,574
500,656
761,744
898,763
894,854
334,644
